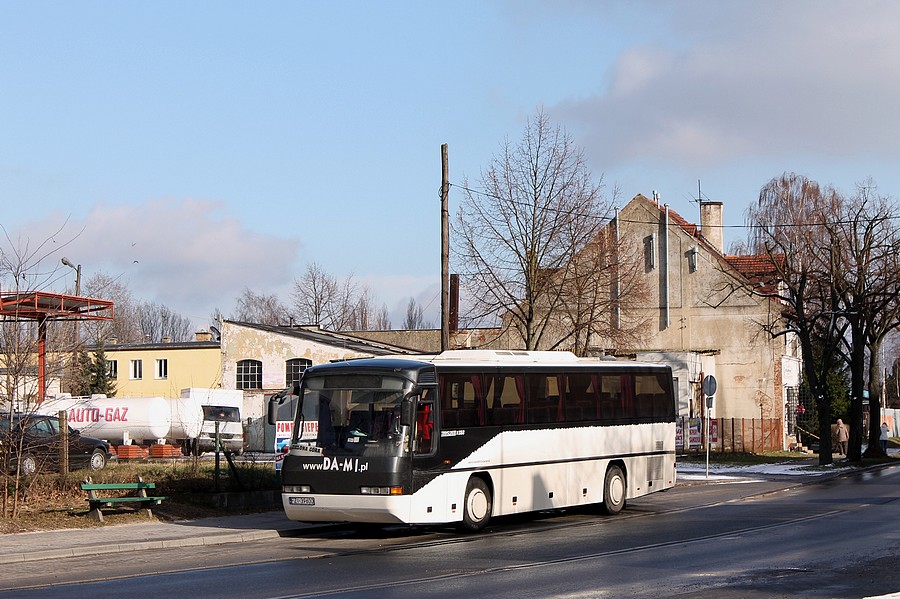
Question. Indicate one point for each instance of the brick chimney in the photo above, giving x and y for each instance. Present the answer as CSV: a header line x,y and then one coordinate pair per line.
x,y
203,336
711,224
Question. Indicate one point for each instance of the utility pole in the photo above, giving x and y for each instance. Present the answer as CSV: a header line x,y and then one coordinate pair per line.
x,y
445,249
77,269
75,343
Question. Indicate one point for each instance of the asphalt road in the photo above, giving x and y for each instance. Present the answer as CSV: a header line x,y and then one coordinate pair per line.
x,y
778,538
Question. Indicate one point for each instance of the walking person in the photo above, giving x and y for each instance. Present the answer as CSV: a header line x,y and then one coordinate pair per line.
x,y
885,435
843,436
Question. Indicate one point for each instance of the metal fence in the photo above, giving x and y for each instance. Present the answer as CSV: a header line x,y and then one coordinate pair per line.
x,y
736,435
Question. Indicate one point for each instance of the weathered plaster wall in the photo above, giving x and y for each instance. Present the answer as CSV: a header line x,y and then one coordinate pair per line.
x,y
273,350
708,313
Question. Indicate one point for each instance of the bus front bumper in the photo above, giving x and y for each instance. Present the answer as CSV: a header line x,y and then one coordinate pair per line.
x,y
376,509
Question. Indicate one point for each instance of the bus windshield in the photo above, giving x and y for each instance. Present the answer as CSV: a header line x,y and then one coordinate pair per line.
x,y
351,415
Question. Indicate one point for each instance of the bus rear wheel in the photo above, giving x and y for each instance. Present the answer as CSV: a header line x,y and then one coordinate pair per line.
x,y
614,490
477,505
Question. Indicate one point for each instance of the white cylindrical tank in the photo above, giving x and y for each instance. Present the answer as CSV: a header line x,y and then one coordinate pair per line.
x,y
186,417
113,419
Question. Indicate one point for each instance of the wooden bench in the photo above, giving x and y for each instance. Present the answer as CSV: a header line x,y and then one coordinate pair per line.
x,y
141,499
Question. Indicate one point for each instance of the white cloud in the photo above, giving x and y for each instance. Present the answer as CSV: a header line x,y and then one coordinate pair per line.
x,y
748,79
190,255
395,291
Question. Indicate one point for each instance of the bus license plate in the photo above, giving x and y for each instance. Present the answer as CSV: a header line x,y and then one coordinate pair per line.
x,y
302,500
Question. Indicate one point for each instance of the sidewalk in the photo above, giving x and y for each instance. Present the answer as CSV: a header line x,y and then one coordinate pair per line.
x,y
31,546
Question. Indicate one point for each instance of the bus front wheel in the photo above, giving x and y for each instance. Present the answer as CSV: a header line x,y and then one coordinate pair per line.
x,y
477,505
614,490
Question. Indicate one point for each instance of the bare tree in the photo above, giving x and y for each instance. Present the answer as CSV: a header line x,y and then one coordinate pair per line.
x,y
260,308
345,312
603,295
158,322
22,272
314,293
867,280
415,316
787,226
519,236
133,321
361,312
125,326
382,319
346,305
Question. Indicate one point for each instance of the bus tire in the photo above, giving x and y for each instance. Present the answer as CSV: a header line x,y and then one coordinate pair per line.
x,y
477,505
614,489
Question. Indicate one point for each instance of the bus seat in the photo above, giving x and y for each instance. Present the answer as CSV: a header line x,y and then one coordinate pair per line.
x,y
573,413
449,419
539,415
468,417
504,415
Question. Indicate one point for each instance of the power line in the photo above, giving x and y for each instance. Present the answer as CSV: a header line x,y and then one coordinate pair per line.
x,y
651,222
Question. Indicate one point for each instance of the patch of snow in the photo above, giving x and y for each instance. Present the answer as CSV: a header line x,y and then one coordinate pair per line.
x,y
745,472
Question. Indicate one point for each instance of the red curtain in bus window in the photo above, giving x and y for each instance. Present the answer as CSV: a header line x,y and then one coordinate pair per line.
x,y
444,386
520,389
563,390
627,383
478,386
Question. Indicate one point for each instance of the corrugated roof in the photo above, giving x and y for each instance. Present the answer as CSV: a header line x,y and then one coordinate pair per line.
x,y
41,304
324,337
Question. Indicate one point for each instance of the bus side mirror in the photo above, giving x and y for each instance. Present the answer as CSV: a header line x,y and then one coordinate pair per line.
x,y
407,412
273,410
279,398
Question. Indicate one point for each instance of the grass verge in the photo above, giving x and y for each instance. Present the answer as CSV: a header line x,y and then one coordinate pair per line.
x,y
50,501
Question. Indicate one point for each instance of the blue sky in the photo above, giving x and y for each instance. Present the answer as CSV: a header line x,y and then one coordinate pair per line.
x,y
197,148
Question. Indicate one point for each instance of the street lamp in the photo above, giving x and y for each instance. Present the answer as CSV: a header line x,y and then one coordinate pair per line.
x,y
77,269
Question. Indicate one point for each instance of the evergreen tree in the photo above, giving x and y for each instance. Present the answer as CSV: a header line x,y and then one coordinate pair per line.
x,y
81,373
101,382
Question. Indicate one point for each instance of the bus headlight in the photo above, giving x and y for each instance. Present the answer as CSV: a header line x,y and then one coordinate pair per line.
x,y
381,490
297,489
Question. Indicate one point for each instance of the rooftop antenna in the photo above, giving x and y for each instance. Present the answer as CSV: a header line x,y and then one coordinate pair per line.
x,y
699,203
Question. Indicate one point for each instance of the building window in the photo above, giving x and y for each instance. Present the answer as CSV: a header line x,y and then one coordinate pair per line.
x,y
249,374
293,370
162,369
692,259
137,369
112,369
649,253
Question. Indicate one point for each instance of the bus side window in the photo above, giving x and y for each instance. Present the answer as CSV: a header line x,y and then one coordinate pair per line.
x,y
462,399
611,398
543,398
581,402
507,403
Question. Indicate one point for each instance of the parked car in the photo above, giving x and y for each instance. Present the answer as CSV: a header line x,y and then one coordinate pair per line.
x,y
39,438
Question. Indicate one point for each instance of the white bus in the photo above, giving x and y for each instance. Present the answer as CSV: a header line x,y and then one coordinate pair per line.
x,y
467,435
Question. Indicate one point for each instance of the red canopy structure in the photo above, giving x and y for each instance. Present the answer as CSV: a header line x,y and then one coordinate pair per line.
x,y
42,306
